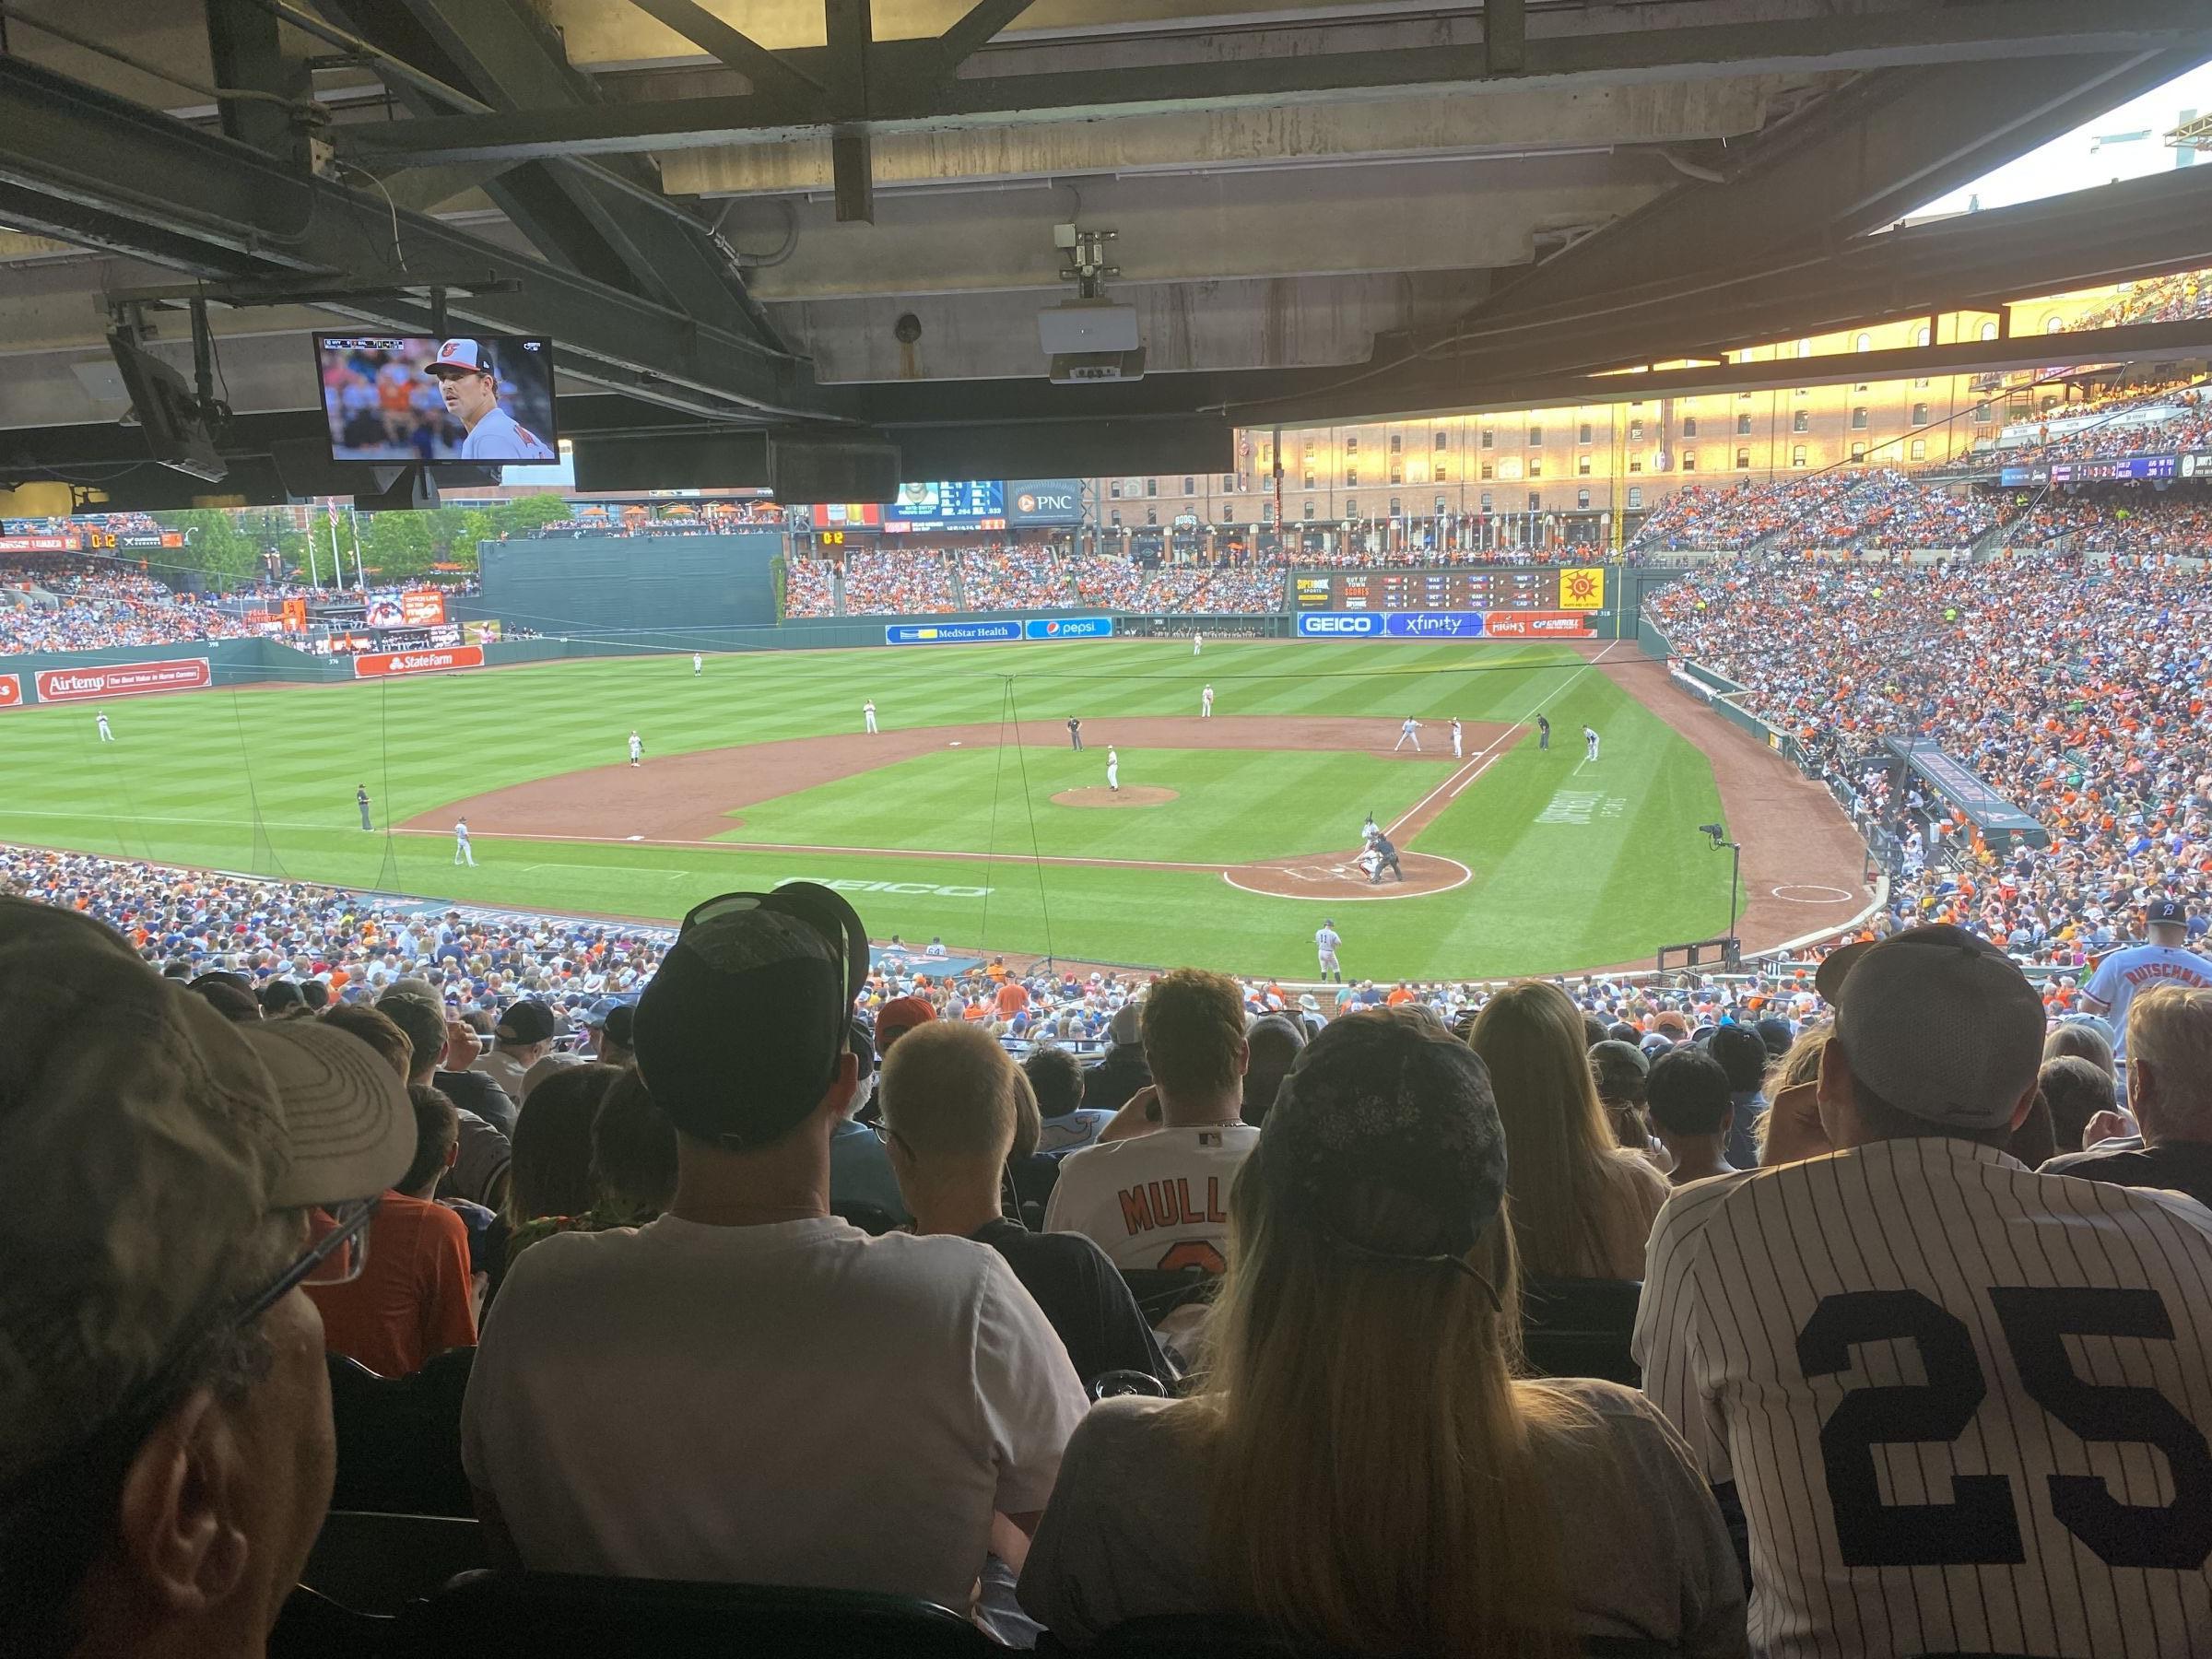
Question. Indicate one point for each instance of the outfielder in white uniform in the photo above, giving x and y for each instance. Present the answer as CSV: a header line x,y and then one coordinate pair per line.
x,y
1205,704
1197,643
1409,733
1589,744
1325,940
105,736
698,664
867,713
1964,1406
462,854
1454,737
637,749
1113,769
2164,962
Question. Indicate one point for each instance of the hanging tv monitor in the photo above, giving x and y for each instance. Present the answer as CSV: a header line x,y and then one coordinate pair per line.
x,y
483,399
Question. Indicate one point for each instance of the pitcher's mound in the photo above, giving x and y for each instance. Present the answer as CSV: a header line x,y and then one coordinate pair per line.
x,y
1137,794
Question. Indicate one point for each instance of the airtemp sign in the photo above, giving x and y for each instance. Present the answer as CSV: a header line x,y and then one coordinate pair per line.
x,y
1045,501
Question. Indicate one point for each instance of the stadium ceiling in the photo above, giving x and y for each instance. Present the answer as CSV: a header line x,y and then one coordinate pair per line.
x,y
738,217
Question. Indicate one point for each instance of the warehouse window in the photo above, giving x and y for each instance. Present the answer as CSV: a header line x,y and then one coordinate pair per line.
x,y
1743,426
1535,437
1351,477
1351,443
1535,501
1394,442
1309,509
1858,449
1351,507
1920,449
1743,460
1636,495
1117,518
1582,465
1151,487
1309,477
1488,471
1920,414
1190,487
1690,426
1439,441
1486,500
1690,460
1443,473
1397,473
1440,506
1113,489
1635,463
1582,498
1536,467
1798,454
1397,508
1858,419
1489,440
1584,436
1635,431
1151,515
1802,421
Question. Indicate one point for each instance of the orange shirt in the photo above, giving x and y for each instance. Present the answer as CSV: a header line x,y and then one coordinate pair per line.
x,y
1012,999
412,1299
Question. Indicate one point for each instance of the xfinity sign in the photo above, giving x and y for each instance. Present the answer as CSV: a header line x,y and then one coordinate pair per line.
x,y
1338,624
1432,625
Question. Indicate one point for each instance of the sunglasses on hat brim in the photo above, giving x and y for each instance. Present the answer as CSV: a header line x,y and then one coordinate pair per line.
x,y
825,912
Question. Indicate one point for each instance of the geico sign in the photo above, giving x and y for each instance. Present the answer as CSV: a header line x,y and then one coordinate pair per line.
x,y
375,665
847,885
1366,624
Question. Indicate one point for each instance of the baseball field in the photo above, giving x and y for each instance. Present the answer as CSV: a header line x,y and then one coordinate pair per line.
x,y
970,815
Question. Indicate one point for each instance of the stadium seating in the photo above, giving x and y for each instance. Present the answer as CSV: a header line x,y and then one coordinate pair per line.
x,y
399,1438
376,1563
1581,1328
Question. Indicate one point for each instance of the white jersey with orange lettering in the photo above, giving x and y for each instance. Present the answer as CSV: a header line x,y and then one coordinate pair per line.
x,y
499,437
2125,974
1964,1404
1158,1201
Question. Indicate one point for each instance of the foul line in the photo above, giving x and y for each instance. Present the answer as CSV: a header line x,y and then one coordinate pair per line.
x,y
723,846
1480,760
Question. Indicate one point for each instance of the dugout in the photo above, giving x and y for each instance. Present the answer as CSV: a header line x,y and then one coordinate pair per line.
x,y
1950,779
573,586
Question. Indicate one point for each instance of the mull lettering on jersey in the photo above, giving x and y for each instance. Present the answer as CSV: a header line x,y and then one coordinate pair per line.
x,y
1159,1204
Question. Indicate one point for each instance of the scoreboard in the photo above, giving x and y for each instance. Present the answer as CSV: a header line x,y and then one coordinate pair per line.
x,y
1506,588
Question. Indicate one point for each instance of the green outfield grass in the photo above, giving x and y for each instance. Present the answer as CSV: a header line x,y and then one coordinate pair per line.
x,y
1574,867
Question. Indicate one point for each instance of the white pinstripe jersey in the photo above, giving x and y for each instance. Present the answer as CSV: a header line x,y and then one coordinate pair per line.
x,y
1964,1404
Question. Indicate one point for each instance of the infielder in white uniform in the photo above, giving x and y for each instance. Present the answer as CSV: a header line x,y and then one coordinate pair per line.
x,y
1113,769
1409,733
867,715
2164,962
462,854
1589,744
698,664
105,736
637,749
1205,704
1454,737
1197,643
1325,941
468,381
1963,1405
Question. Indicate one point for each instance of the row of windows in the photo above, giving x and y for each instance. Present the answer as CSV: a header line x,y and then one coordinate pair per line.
x,y
1397,506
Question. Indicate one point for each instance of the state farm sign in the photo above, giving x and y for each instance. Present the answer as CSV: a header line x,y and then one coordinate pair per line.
x,y
11,690
122,679
1537,625
375,665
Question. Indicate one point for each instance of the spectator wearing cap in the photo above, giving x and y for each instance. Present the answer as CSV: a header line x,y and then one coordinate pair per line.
x,y
1742,1055
168,1181
416,1296
614,1032
1691,1110
1108,1086
523,1037
2169,1093
1899,1273
1371,1263
2164,960
1161,1200
1618,1070
748,1388
949,1110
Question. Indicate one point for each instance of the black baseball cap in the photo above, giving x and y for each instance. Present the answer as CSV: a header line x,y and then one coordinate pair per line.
x,y
2166,910
744,1025
526,1021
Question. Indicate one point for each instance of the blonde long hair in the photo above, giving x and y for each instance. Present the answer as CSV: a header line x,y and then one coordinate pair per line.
x,y
1373,1486
1559,1141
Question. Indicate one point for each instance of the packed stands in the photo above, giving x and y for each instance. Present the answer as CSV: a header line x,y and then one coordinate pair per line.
x,y
807,591
1733,517
2120,519
897,584
82,605
1014,577
1885,510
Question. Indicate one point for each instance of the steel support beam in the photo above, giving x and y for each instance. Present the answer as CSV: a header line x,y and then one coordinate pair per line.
x,y
1505,36
904,92
244,47
774,79
852,30
81,165
977,28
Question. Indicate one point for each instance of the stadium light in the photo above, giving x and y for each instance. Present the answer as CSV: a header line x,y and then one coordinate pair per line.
x,y
1730,953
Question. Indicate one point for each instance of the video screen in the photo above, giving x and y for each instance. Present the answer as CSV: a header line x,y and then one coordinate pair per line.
x,y
480,399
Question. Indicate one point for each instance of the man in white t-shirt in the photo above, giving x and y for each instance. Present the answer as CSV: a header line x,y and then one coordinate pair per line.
x,y
1161,1200
749,1389
2165,961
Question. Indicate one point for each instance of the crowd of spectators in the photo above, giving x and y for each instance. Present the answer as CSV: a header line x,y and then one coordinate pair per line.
x,y
2112,519
87,605
1731,518
2075,688
897,583
2172,419
1884,510
1014,576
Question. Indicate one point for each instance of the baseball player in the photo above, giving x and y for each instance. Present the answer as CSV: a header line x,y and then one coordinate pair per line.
x,y
469,383
1205,704
1075,733
105,736
1455,737
1543,732
1197,643
1384,858
360,799
1113,769
867,715
1589,743
2164,962
1409,733
637,749
1368,831
1939,1383
698,664
462,852
1325,941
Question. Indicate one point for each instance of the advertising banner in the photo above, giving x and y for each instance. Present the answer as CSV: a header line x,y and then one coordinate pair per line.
x,y
950,633
1068,627
1582,590
1043,501
11,690
1339,625
947,504
378,665
1539,625
122,679
422,608
38,544
1446,625
480,633
1432,625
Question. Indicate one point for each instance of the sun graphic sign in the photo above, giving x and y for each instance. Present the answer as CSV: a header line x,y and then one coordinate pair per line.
x,y
1581,590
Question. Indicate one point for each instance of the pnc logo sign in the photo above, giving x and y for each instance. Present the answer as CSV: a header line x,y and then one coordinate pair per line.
x,y
1036,501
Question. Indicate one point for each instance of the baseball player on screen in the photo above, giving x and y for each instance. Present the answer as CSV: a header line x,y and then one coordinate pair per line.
x,y
470,385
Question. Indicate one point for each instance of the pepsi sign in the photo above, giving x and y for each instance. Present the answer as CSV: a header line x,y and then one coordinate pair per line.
x,y
1338,625
1067,627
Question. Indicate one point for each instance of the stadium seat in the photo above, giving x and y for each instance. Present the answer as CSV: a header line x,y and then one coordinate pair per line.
x,y
1225,1635
1158,1294
1581,1328
372,1562
399,1438
534,1616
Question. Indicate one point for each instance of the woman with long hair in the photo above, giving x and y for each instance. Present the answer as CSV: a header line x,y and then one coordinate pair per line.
x,y
1362,1469
1582,1205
